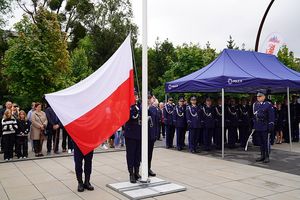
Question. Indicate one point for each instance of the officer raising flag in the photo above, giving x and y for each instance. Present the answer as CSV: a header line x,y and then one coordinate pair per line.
x,y
263,124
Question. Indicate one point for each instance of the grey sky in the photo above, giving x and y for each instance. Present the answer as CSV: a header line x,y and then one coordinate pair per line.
x,y
199,21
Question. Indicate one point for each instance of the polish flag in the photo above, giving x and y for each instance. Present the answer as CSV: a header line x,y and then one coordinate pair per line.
x,y
96,107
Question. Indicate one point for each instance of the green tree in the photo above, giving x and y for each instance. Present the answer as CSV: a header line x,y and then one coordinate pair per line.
x,y
189,58
72,15
108,27
287,57
5,8
79,64
230,43
37,61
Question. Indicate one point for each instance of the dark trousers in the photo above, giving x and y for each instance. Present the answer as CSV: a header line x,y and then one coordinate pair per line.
x,y
264,143
232,136
208,133
244,134
217,137
150,152
37,146
8,145
180,137
133,153
295,131
170,131
200,137
22,146
2,149
78,158
53,139
64,141
163,129
193,138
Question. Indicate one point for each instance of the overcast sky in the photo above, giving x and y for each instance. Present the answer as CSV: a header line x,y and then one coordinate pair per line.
x,y
199,21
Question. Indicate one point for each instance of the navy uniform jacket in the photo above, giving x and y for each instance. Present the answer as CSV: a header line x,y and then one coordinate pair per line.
x,y
209,117
179,118
232,116
263,116
295,112
153,122
133,128
244,115
168,114
218,115
193,116
52,118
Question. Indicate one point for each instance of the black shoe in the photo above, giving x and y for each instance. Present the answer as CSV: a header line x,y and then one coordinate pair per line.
x,y
87,185
136,174
260,159
267,160
80,187
132,178
151,173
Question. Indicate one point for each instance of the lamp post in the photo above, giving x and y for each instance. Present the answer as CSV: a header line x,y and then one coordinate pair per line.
x,y
262,24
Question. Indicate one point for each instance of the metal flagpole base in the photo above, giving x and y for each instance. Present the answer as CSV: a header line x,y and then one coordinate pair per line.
x,y
155,187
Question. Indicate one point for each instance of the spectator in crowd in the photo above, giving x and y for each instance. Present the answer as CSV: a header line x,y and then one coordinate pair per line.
x,y
15,110
31,111
53,130
162,123
280,122
38,127
22,136
8,106
9,128
29,119
64,141
119,138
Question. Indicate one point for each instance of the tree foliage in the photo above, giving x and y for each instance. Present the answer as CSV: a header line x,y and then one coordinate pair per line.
x,y
108,26
287,57
37,60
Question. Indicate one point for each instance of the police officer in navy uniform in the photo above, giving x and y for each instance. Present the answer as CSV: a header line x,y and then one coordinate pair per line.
x,y
217,137
153,125
232,118
263,120
193,117
209,123
78,158
133,134
244,121
295,118
179,120
168,120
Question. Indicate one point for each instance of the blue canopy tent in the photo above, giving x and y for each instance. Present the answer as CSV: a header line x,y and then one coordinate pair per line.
x,y
239,72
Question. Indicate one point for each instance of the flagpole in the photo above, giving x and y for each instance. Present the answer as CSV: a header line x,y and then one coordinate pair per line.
x,y
145,96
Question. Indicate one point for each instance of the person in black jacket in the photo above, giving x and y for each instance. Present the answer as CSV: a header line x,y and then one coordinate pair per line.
x,y
133,136
22,135
9,128
232,118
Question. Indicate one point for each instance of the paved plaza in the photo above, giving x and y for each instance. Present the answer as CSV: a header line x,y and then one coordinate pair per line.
x,y
205,178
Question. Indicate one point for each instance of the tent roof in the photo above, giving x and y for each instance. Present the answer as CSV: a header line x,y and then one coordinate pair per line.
x,y
240,72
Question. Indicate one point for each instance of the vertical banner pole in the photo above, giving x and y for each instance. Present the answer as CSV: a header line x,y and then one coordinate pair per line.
x,y
223,121
145,96
289,117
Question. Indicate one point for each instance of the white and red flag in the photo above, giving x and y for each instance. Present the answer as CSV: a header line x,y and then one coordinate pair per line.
x,y
93,109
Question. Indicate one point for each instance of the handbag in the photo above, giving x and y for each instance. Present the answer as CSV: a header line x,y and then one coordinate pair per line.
x,y
43,132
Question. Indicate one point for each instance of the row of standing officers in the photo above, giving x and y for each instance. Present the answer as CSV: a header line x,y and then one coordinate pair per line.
x,y
204,123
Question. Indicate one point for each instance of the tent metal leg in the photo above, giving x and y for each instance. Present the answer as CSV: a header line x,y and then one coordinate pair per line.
x,y
223,121
289,118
